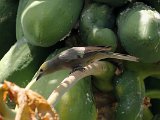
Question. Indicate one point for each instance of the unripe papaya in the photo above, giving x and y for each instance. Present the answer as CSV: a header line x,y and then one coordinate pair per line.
x,y
22,60
143,71
131,92
21,7
95,24
46,22
8,11
103,81
138,29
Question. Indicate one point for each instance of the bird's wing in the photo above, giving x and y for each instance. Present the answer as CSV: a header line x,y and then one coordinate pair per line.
x,y
79,52
71,54
91,49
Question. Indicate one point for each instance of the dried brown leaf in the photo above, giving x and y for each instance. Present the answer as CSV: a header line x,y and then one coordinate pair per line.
x,y
31,105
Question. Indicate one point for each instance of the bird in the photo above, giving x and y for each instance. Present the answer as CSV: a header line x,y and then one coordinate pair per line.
x,y
76,58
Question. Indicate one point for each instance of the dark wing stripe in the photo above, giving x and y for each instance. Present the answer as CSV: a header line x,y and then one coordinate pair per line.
x,y
98,49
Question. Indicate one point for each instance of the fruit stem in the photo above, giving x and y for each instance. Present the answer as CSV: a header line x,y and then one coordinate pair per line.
x,y
153,94
93,69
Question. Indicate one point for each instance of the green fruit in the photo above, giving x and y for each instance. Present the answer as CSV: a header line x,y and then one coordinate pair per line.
x,y
21,7
76,104
95,22
143,72
8,11
139,32
46,22
21,62
114,3
130,91
103,80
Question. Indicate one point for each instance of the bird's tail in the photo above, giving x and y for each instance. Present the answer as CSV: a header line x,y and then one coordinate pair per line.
x,y
103,55
122,56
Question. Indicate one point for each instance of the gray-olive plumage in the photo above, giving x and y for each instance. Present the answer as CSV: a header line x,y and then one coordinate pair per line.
x,y
76,58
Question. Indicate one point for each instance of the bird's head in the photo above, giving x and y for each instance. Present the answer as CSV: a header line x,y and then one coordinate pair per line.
x,y
48,67
42,70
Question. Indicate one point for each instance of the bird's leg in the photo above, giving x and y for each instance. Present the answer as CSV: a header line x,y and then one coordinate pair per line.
x,y
119,66
78,68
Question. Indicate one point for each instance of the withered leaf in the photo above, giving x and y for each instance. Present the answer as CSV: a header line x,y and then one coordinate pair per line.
x,y
31,105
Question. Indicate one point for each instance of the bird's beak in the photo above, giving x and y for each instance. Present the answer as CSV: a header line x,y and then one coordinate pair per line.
x,y
39,75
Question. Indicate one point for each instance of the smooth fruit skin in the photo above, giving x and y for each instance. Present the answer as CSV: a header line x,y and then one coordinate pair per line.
x,y
48,21
130,91
139,32
19,30
103,81
95,26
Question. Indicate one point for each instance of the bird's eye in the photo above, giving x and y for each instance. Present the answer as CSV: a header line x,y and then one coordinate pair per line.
x,y
41,70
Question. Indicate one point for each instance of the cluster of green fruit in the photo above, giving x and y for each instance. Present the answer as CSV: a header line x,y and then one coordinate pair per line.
x,y
30,30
